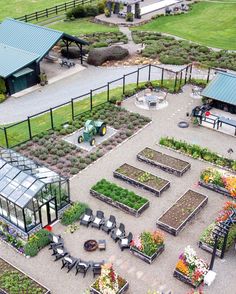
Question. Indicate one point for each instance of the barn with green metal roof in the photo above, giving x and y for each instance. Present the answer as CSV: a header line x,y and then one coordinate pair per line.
x,y
221,91
22,47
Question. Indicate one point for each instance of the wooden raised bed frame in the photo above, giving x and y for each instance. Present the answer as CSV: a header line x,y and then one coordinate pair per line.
x,y
178,275
135,182
164,166
188,213
208,248
215,188
146,258
121,291
119,205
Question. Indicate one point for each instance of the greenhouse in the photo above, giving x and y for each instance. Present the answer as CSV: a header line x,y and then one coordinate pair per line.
x,y
31,196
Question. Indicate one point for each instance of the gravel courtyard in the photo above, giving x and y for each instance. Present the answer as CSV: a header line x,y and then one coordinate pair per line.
x,y
141,276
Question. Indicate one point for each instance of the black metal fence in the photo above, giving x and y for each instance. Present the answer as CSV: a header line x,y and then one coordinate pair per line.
x,y
55,10
53,118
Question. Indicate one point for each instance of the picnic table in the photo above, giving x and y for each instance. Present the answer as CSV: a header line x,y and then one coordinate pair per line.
x,y
227,121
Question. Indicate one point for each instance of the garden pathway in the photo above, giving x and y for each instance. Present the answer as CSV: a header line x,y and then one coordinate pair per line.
x,y
131,46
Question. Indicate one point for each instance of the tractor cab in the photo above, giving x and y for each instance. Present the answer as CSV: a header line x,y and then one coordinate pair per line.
x,y
91,129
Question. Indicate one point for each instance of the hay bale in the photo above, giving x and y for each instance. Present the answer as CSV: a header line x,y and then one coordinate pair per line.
x,y
98,56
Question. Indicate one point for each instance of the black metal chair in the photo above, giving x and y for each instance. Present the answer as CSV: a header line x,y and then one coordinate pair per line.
x,y
56,241
97,267
124,243
87,217
82,267
98,220
118,233
109,225
69,262
59,253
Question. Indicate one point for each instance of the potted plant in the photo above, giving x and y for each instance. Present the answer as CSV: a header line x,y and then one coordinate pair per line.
x,y
190,269
148,245
109,282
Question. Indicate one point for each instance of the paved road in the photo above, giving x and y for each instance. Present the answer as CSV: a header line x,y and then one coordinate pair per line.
x,y
16,109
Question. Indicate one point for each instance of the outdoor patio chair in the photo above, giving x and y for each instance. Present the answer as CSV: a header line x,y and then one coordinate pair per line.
x,y
82,267
98,220
59,253
69,262
118,233
124,243
87,217
109,225
97,267
56,241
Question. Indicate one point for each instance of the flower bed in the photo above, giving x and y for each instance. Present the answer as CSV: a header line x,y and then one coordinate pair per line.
x,y
190,269
140,178
148,246
109,282
219,181
118,197
207,240
73,213
163,161
181,212
12,280
49,148
198,152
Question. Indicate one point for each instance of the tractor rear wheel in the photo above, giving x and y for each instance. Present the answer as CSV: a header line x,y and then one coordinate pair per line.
x,y
92,142
103,130
80,139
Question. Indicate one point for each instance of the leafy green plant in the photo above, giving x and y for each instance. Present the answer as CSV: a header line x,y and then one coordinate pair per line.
x,y
119,194
36,242
73,213
129,16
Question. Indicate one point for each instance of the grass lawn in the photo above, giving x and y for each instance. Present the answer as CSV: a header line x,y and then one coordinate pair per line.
x,y
16,8
20,133
81,26
208,23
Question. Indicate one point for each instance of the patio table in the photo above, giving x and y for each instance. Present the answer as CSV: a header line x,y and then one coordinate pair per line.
x,y
151,100
227,121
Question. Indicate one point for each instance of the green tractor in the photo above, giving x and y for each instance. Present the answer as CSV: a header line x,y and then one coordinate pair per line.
x,y
91,129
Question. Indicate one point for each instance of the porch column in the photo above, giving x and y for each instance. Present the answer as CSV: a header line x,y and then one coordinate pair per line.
x,y
129,8
116,8
137,10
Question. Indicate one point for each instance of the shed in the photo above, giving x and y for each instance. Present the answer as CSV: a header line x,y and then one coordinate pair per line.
x,y
221,91
22,47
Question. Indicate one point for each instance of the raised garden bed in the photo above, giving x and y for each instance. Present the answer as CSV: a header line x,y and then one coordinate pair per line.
x,y
163,161
118,197
142,179
144,257
120,291
215,188
181,212
178,275
12,280
209,248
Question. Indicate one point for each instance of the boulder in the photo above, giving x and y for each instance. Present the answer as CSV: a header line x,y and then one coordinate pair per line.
x,y
73,52
98,56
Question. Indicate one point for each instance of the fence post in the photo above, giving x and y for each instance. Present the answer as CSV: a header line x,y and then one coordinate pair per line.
x,y
36,15
108,92
26,18
162,76
149,72
29,127
72,109
123,84
65,6
74,3
208,74
176,74
91,100
186,73
137,77
56,9
46,10
190,73
6,138
180,80
51,115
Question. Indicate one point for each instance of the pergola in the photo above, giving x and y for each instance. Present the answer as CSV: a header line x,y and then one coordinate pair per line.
x,y
128,3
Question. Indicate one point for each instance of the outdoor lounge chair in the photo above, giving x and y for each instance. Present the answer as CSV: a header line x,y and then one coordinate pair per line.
x,y
56,241
87,217
118,233
82,267
98,220
69,262
97,267
59,253
109,225
124,243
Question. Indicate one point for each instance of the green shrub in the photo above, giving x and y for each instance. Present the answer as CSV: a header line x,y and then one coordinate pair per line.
x,y
101,6
73,213
79,11
129,16
36,242
119,194
91,10
107,12
99,44
2,97
3,88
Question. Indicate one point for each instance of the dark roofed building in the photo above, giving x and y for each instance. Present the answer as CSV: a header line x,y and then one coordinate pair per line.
x,y
22,47
221,92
